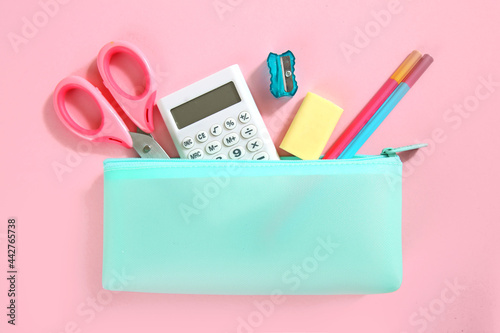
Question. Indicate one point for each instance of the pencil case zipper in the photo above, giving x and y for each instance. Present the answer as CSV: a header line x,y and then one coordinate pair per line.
x,y
127,163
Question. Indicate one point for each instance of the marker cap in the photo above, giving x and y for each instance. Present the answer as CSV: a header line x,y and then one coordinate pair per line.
x,y
418,70
405,67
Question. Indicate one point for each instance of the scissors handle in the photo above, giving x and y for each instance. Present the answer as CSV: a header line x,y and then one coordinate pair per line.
x,y
112,128
138,108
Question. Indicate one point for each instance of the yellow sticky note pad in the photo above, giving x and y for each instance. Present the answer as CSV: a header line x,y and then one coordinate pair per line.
x,y
311,128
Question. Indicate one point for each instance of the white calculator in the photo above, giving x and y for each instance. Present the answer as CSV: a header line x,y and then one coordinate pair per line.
x,y
216,118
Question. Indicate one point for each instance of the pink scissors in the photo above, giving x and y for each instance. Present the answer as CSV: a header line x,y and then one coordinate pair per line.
x,y
138,108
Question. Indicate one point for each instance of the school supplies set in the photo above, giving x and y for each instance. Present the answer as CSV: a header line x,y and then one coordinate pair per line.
x,y
230,216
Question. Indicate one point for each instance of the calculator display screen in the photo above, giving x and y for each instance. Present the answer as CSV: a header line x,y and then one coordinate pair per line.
x,y
205,105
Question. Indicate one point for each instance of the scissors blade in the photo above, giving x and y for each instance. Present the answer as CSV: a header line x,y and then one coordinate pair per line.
x,y
286,68
146,146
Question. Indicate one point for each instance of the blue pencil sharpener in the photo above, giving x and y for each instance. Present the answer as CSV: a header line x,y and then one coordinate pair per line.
x,y
282,69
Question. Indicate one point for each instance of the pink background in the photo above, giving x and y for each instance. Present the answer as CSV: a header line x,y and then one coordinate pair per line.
x,y
450,211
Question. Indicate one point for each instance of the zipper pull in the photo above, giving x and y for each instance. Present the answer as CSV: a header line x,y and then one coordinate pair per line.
x,y
393,151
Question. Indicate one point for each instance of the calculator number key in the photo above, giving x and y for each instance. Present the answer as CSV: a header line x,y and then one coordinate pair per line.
x,y
213,147
188,143
244,117
248,131
236,153
261,156
220,157
195,154
202,136
231,139
255,144
230,123
216,130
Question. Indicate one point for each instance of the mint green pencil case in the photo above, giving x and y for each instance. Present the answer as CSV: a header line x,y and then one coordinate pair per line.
x,y
253,227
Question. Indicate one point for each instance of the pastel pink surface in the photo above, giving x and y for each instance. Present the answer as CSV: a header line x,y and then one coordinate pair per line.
x,y
52,179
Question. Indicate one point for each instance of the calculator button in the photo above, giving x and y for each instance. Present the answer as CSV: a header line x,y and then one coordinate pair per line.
x,y
220,157
231,139
244,117
261,156
195,154
230,123
248,131
236,153
255,144
213,147
202,136
216,130
188,142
